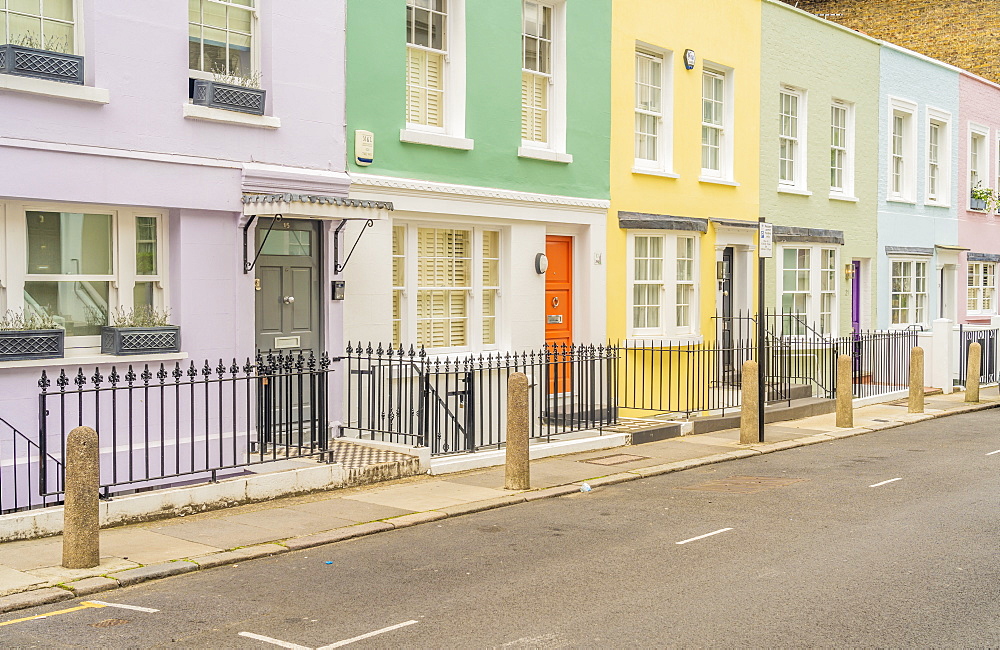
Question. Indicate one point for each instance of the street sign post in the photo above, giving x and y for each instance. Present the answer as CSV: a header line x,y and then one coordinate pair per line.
x,y
765,250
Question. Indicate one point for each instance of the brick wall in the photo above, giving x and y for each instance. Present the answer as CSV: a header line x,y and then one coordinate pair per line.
x,y
959,32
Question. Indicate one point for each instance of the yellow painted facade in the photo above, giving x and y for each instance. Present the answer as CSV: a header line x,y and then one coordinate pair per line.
x,y
668,28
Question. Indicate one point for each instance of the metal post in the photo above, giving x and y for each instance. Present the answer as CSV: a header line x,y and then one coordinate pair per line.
x,y
761,384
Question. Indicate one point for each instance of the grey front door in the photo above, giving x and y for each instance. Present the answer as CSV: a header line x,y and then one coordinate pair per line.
x,y
288,322
287,284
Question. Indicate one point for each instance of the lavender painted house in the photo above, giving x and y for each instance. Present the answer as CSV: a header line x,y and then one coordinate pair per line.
x,y
122,192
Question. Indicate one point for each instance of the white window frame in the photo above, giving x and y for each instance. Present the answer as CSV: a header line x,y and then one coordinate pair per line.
x,y
978,160
254,39
942,120
814,295
905,191
664,163
796,139
14,259
911,309
77,31
981,288
668,327
554,148
846,190
474,306
453,74
726,136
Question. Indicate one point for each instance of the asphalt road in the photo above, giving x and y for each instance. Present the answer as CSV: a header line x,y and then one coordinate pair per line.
x,y
829,559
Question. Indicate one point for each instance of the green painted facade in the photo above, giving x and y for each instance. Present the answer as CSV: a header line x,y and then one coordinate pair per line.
x,y
376,99
826,62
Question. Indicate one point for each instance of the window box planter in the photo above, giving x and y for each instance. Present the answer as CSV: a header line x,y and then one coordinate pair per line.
x,y
977,204
140,340
17,345
41,64
228,97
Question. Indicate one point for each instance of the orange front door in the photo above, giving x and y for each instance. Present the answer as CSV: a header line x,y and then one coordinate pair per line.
x,y
559,308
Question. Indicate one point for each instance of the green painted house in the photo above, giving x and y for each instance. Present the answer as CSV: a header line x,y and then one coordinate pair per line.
x,y
819,178
486,124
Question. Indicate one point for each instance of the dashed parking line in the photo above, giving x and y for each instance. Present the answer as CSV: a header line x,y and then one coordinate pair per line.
x,y
148,610
716,532
277,642
993,452
892,480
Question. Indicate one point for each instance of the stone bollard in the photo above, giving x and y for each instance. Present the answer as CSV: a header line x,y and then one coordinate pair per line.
x,y
749,434
517,474
81,513
916,401
845,392
973,371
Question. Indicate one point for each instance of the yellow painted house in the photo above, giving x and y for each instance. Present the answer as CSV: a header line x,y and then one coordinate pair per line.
x,y
685,176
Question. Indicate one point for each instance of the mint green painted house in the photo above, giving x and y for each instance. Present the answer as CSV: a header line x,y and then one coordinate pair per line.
x,y
819,169
489,126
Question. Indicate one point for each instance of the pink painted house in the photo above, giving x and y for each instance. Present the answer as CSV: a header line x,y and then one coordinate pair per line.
x,y
978,223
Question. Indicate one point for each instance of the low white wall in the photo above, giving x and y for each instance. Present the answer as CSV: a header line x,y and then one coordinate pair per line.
x,y
463,462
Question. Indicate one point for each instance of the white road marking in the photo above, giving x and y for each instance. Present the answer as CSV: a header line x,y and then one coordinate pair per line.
x,y
339,644
148,610
892,480
278,642
993,452
721,530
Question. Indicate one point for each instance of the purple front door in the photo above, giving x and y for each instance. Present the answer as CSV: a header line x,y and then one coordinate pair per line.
x,y
856,297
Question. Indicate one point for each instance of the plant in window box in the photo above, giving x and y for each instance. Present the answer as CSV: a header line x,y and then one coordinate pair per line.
x,y
984,198
34,335
143,330
232,91
28,56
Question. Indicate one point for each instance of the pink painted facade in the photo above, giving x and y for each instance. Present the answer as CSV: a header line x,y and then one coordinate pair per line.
x,y
140,147
978,230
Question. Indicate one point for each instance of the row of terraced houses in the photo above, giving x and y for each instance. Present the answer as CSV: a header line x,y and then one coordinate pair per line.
x,y
468,176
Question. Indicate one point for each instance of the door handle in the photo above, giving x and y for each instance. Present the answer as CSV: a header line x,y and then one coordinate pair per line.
x,y
288,300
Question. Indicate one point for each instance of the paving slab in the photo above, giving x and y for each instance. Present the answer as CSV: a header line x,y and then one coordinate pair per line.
x,y
107,565
147,547
12,580
219,533
339,508
287,522
430,495
31,554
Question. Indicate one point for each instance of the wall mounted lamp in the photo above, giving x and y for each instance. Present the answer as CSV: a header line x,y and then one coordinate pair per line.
x,y
541,264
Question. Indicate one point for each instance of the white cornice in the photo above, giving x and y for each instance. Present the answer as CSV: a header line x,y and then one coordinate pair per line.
x,y
400,186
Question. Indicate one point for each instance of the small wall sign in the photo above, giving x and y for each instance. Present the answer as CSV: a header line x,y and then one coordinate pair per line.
x,y
765,240
364,148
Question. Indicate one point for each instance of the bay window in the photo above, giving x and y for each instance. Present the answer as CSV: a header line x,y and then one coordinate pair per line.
x,y
909,292
78,264
662,274
446,296
982,288
808,289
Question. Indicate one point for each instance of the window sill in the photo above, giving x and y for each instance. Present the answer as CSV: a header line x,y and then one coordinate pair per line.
x,y
793,190
977,211
717,181
668,341
436,139
844,197
93,358
654,172
204,113
899,199
544,154
56,89
936,204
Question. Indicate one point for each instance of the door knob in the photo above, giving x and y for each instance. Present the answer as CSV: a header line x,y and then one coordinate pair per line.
x,y
288,300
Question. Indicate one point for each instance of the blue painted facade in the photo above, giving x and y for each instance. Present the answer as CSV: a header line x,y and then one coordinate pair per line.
x,y
913,222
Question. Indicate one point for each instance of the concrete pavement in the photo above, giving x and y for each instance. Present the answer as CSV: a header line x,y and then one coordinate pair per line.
x,y
30,573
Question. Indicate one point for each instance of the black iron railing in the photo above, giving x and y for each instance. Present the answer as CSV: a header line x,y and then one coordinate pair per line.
x,y
455,405
19,467
880,360
192,422
987,339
